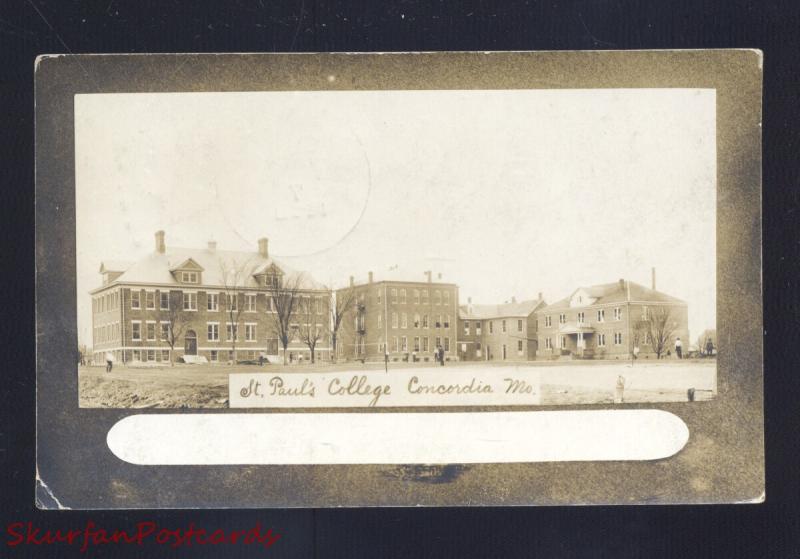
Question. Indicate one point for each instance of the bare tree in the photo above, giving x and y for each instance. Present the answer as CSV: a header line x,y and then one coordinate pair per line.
x,y
340,305
177,323
657,326
284,295
234,279
312,328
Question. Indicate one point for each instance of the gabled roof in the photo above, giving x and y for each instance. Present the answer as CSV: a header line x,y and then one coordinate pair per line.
x,y
483,312
616,293
188,264
155,268
268,266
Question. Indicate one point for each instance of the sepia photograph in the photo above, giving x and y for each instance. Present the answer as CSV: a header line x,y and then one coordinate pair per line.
x,y
459,247
399,279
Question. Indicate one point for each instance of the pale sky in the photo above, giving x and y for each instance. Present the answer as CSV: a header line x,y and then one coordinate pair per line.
x,y
503,192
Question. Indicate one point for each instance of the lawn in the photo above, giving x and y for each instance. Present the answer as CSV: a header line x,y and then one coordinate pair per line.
x,y
562,383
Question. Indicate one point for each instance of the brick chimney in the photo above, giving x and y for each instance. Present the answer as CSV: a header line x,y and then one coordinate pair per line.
x,y
212,246
439,275
352,281
161,247
540,295
370,277
622,284
513,299
653,274
263,247
428,273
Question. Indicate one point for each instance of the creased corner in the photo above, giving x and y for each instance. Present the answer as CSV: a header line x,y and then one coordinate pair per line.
x,y
755,500
45,498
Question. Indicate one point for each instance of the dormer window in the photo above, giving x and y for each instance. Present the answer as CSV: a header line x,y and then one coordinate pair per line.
x,y
272,281
187,271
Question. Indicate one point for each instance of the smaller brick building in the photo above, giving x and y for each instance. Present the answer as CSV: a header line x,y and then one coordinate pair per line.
x,y
505,332
608,321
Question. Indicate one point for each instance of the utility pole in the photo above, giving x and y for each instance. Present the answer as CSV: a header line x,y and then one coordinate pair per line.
x,y
630,341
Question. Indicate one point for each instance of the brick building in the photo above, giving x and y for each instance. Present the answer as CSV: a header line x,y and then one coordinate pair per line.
x,y
504,332
214,295
607,321
407,319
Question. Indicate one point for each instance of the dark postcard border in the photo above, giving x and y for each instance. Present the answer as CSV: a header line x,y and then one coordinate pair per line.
x,y
724,459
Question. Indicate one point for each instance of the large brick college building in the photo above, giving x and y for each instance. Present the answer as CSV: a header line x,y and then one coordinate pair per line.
x,y
406,319
214,296
608,321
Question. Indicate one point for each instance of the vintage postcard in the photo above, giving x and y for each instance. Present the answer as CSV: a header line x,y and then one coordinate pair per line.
x,y
441,279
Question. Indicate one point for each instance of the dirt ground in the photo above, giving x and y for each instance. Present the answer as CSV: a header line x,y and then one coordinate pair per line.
x,y
562,383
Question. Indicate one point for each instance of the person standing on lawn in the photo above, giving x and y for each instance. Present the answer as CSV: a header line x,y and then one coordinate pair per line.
x,y
709,347
109,361
619,390
679,348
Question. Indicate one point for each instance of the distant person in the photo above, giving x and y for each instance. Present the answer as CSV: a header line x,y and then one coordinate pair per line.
x,y
619,390
440,354
636,352
109,361
709,347
261,359
679,348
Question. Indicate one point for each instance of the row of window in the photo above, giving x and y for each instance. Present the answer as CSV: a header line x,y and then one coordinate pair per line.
x,y
188,301
419,344
503,326
107,302
600,340
418,297
581,317
212,331
601,316
400,320
106,333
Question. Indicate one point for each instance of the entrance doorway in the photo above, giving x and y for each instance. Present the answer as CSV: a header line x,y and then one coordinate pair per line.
x,y
190,343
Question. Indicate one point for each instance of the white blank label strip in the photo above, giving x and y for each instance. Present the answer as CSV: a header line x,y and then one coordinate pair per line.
x,y
397,438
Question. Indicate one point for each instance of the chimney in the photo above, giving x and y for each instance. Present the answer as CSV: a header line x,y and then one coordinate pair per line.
x,y
469,300
370,277
160,246
428,273
352,281
621,283
653,273
540,295
439,275
263,247
513,299
212,246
